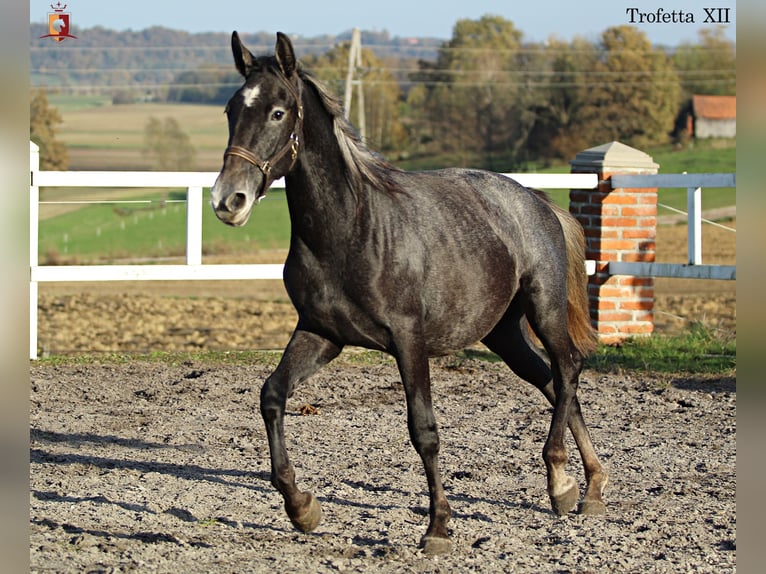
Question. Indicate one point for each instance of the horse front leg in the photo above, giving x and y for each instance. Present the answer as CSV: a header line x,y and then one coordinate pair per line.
x,y
421,423
304,355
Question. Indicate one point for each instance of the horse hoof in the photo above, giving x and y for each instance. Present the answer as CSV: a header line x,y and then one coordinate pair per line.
x,y
565,501
592,507
435,545
309,519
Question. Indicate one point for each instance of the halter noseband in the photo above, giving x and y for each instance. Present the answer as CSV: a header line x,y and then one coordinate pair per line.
x,y
292,143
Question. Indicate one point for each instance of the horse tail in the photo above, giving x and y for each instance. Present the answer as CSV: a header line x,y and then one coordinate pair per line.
x,y
581,331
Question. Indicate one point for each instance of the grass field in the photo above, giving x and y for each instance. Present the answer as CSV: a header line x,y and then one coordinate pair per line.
x,y
155,228
102,136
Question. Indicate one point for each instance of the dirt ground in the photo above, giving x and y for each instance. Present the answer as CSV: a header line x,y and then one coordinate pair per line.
x,y
139,466
238,315
149,467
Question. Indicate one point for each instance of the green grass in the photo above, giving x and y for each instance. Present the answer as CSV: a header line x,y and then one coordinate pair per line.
x,y
710,156
105,232
698,351
68,103
173,359
704,157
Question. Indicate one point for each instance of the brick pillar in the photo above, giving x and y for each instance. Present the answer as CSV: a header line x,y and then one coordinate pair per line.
x,y
620,225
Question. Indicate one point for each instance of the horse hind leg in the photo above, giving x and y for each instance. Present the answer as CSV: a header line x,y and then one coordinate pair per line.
x,y
562,488
596,477
547,317
510,340
512,344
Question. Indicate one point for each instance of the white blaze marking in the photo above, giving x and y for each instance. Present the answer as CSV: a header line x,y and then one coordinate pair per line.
x,y
250,95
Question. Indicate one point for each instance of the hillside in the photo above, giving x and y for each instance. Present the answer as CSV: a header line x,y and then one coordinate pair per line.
x,y
103,60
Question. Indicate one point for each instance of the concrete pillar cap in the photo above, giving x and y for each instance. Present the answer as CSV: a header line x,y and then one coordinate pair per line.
x,y
614,156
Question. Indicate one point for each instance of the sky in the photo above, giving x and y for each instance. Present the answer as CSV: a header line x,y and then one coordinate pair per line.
x,y
537,19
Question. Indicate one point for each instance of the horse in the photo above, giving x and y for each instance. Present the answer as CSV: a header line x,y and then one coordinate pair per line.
x,y
414,264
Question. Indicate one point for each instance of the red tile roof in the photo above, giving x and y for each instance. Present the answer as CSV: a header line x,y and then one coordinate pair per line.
x,y
715,107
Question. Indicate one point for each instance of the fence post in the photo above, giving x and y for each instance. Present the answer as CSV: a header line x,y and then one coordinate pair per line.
x,y
694,217
194,226
620,225
34,237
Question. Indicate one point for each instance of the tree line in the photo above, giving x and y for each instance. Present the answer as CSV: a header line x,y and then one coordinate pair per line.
x,y
489,99
484,98
493,101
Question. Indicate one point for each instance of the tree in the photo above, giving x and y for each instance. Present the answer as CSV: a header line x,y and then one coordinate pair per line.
x,y
557,132
43,127
167,146
475,99
633,92
709,67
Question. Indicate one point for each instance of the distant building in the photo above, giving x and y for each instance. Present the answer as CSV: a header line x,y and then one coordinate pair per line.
x,y
712,117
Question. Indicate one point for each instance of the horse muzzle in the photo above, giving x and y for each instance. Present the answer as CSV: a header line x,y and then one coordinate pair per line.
x,y
233,208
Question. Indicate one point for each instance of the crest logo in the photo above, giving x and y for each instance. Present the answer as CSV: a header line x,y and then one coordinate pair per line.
x,y
59,23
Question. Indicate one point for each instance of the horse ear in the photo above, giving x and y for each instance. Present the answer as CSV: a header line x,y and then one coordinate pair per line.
x,y
243,59
285,54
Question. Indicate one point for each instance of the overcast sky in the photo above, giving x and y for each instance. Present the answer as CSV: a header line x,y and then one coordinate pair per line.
x,y
538,20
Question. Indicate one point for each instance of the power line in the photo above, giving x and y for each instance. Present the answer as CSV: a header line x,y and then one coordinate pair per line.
x,y
427,72
406,48
100,88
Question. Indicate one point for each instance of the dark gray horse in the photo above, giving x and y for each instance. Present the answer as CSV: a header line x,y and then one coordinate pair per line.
x,y
415,264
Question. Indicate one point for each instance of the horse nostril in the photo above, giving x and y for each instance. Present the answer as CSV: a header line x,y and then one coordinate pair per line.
x,y
236,201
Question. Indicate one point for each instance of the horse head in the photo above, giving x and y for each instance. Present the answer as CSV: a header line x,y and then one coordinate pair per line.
x,y
265,118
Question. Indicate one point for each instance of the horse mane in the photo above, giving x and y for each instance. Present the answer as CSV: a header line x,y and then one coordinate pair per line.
x,y
363,166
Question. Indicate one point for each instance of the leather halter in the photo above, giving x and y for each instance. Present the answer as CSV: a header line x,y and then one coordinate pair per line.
x,y
290,146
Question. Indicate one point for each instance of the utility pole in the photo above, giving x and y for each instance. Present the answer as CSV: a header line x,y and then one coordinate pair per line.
x,y
355,64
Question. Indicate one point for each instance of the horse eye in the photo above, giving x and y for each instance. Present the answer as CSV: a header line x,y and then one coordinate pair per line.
x,y
277,115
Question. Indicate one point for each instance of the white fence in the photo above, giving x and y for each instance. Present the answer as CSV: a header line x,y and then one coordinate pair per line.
x,y
693,183
195,182
193,269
